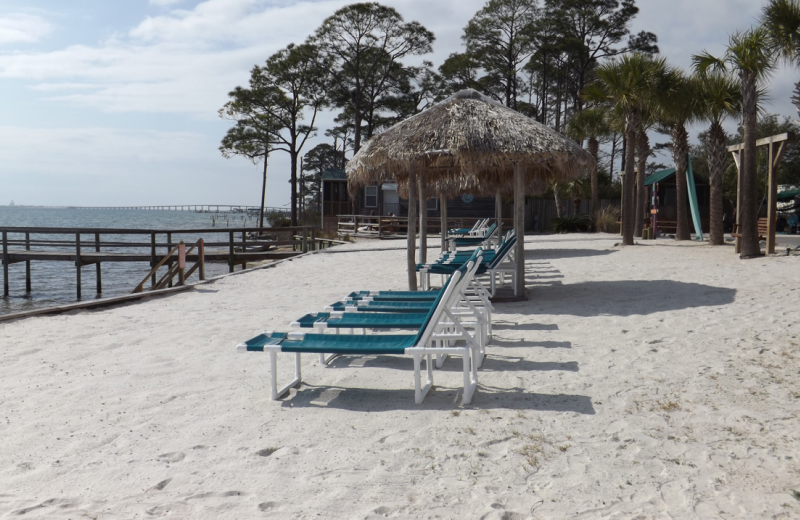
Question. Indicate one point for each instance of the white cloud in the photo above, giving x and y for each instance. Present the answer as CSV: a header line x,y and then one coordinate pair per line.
x,y
164,3
18,27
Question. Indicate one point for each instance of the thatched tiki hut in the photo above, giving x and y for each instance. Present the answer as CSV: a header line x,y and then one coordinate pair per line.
x,y
468,143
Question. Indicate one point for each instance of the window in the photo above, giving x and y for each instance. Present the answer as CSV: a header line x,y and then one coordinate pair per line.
x,y
371,197
433,204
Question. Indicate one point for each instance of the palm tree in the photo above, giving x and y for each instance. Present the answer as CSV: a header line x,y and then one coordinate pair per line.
x,y
718,97
781,20
643,151
676,109
749,54
591,124
627,84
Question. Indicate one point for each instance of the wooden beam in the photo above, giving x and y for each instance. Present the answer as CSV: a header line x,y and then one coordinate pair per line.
x,y
519,228
772,199
412,227
737,159
765,141
443,221
423,219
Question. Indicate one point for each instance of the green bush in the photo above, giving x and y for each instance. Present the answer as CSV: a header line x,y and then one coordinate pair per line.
x,y
576,223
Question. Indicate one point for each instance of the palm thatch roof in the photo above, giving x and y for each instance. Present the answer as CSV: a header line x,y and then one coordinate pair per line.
x,y
468,143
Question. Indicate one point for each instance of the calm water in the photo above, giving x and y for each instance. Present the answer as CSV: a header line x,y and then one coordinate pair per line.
x,y
53,283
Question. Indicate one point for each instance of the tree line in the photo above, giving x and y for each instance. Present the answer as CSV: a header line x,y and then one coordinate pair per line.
x,y
534,56
570,64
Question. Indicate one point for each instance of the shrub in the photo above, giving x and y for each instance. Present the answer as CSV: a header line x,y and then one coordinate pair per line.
x,y
278,220
606,219
572,224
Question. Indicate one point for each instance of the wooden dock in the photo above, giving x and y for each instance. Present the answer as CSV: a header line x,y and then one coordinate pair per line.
x,y
73,245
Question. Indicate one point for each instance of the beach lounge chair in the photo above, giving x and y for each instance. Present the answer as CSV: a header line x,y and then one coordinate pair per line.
x,y
472,308
502,261
422,345
478,228
486,240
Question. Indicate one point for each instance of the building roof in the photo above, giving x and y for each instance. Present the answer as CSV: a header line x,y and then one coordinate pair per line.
x,y
658,176
334,174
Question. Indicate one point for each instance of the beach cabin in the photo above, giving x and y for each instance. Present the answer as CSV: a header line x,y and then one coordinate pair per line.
x,y
335,200
662,184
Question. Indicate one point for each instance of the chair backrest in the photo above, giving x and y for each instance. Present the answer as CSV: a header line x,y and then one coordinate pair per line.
x,y
490,230
503,251
451,286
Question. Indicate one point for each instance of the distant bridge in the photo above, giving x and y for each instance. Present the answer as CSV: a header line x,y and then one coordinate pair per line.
x,y
198,208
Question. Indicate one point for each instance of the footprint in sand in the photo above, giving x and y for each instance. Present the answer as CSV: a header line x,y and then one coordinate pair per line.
x,y
266,452
267,506
161,485
173,456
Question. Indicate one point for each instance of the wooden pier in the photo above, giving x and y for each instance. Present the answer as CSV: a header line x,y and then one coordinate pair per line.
x,y
84,247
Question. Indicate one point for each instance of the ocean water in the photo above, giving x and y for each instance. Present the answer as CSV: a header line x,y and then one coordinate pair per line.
x,y
54,283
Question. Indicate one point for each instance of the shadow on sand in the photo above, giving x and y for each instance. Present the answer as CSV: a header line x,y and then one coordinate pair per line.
x,y
622,297
548,254
439,398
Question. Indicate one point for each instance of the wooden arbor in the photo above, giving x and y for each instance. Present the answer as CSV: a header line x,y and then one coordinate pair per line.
x,y
776,145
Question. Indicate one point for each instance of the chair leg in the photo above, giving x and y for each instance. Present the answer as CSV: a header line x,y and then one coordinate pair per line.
x,y
470,376
419,391
276,393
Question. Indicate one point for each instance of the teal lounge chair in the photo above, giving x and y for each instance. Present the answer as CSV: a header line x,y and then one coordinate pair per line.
x,y
419,346
486,240
502,262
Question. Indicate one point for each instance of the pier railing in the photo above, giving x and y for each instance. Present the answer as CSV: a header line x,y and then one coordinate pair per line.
x,y
87,246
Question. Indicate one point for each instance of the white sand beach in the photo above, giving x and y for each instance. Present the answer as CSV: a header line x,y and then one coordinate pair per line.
x,y
654,381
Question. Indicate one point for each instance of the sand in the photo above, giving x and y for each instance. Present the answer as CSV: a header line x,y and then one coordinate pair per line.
x,y
653,381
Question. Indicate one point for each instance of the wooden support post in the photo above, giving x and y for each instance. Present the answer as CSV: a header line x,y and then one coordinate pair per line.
x,y
498,212
423,220
27,264
737,158
5,263
411,228
201,252
169,261
519,228
78,263
97,265
153,260
304,248
181,263
443,221
244,247
772,199
230,252
314,239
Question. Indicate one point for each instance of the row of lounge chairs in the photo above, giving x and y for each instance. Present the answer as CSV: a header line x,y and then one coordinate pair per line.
x,y
496,263
453,320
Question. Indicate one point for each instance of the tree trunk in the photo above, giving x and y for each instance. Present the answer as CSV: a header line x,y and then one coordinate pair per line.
x,y
716,169
263,193
411,233
680,150
293,182
748,218
628,208
613,155
593,145
642,152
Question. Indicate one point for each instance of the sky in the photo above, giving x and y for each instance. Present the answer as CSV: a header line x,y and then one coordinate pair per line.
x,y
114,102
